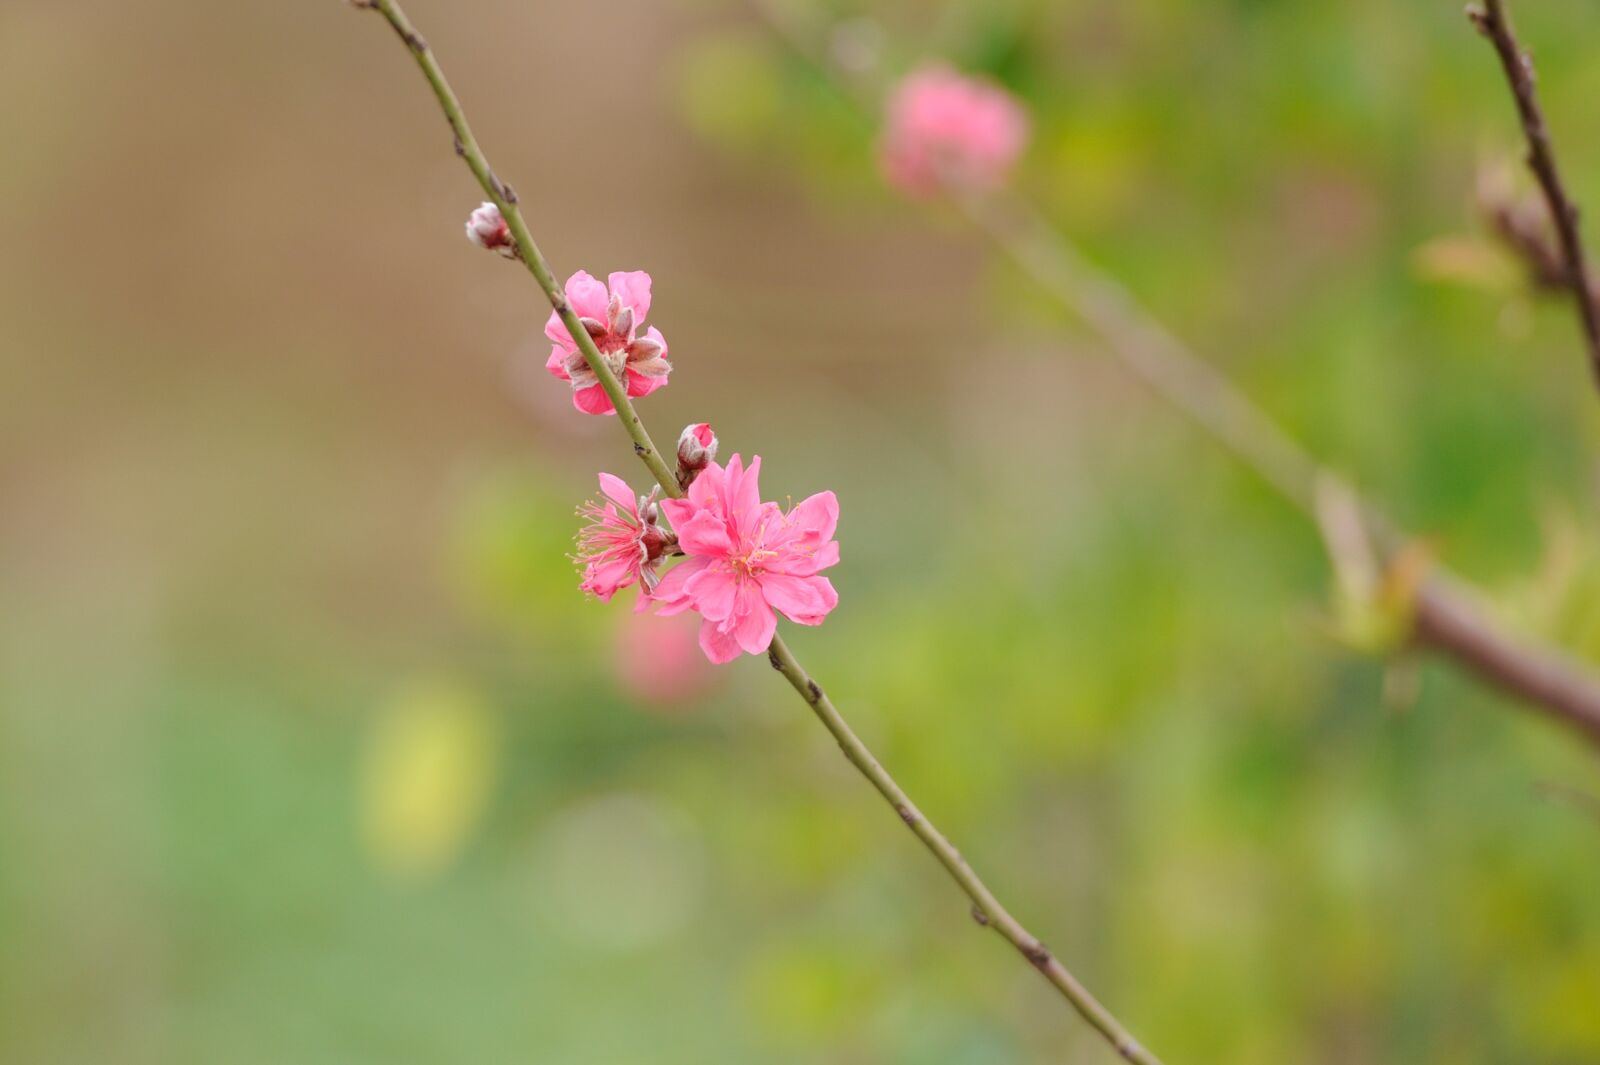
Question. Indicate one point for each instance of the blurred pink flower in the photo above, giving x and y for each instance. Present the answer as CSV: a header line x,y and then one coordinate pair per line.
x,y
623,542
658,663
612,317
942,126
487,229
748,558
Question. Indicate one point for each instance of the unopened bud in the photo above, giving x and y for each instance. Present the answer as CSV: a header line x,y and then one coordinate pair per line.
x,y
487,229
696,447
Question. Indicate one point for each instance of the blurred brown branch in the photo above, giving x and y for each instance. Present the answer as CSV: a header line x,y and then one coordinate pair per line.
x,y
1573,272
1445,614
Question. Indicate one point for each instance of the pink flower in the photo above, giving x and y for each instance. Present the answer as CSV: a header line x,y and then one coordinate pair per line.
x,y
487,229
612,318
943,126
748,558
623,542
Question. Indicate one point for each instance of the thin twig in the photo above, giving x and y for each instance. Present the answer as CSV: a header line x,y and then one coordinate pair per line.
x,y
1446,613
987,909
1495,24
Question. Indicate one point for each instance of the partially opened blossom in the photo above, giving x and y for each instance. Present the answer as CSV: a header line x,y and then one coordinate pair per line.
x,y
612,314
748,558
622,543
944,127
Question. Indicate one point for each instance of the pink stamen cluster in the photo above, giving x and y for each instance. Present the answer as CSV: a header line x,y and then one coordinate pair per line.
x,y
943,127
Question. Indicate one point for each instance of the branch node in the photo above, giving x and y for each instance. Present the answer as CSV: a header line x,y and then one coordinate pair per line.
x,y
979,916
772,656
640,450
815,692
1037,953
509,193
907,814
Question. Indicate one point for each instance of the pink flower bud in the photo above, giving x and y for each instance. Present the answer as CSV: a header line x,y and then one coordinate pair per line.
x,y
487,229
697,445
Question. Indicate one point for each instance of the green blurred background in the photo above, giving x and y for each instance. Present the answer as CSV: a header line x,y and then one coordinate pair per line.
x,y
311,751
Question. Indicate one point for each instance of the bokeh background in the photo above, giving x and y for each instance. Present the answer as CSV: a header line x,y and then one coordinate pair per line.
x,y
311,751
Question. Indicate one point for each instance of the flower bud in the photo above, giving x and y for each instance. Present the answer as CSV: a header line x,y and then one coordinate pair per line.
x,y
696,446
487,229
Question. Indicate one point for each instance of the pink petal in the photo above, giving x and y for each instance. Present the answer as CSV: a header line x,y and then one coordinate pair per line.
x,y
557,332
706,491
593,400
670,592
745,496
640,385
802,560
803,600
714,591
557,363
718,646
704,534
679,511
617,490
654,335
742,494
604,580
795,596
633,286
756,622
587,296
825,556
818,514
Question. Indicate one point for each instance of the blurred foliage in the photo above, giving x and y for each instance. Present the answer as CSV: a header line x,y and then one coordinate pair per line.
x,y
318,755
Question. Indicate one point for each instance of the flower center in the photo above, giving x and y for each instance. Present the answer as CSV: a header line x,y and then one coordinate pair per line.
x,y
751,562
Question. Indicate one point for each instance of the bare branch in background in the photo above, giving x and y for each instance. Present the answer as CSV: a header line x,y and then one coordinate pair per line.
x,y
1495,24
